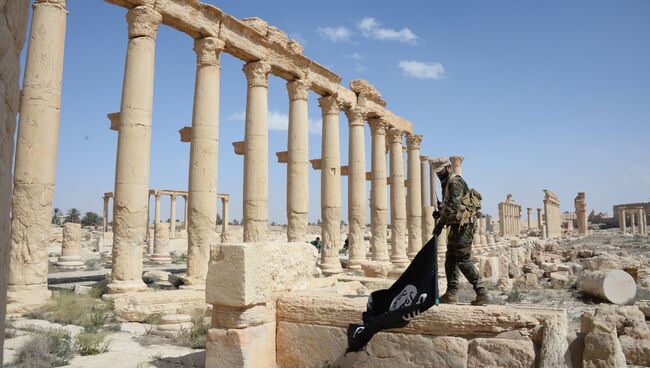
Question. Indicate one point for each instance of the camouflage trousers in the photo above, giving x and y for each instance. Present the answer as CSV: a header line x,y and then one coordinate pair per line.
x,y
459,250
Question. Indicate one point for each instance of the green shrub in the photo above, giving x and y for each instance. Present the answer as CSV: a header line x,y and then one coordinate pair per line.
x,y
89,343
515,296
197,336
53,349
77,309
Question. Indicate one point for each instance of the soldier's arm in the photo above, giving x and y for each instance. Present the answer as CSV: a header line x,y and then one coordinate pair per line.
x,y
452,207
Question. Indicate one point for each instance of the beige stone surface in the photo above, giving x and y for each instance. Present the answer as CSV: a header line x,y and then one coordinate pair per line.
x,y
161,244
602,347
133,151
298,160
356,187
136,307
36,141
615,286
398,238
245,274
12,37
252,347
385,350
501,353
201,203
636,351
376,268
256,160
378,191
71,246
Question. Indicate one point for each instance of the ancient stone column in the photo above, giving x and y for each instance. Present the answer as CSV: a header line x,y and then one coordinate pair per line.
x,y
225,236
632,223
642,223
397,200
539,219
457,164
36,153
201,200
161,243
298,161
172,217
414,195
71,246
483,230
105,219
433,178
330,186
581,213
133,151
621,221
256,147
428,222
185,213
378,191
156,216
530,217
356,187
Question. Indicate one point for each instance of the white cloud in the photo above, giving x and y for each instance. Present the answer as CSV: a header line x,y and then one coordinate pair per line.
x,y
370,28
279,121
422,70
335,34
356,56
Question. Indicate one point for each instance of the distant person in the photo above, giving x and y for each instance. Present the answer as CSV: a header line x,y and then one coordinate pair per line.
x,y
459,217
316,243
345,246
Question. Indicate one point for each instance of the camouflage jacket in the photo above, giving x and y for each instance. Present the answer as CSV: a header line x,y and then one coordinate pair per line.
x,y
453,190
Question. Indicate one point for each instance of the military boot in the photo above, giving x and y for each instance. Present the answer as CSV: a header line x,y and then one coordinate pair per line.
x,y
449,297
481,299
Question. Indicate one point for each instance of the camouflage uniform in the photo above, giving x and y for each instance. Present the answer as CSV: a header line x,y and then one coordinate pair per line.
x,y
459,237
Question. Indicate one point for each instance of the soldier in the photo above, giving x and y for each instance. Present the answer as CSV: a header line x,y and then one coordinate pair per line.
x,y
460,232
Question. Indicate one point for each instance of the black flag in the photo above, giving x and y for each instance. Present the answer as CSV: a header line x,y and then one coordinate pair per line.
x,y
413,293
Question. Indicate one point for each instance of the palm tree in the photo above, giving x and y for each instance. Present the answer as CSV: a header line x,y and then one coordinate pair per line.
x,y
56,216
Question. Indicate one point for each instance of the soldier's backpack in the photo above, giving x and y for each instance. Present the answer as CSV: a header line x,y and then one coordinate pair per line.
x,y
470,202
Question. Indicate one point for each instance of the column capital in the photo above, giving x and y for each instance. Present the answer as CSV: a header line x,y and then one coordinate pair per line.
x,y
378,126
395,135
330,104
207,50
298,89
257,73
59,3
413,141
456,160
424,158
143,22
355,114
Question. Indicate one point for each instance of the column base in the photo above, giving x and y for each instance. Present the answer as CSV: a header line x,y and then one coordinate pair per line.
x,y
118,287
160,258
381,257
400,262
26,298
355,263
331,269
70,262
191,283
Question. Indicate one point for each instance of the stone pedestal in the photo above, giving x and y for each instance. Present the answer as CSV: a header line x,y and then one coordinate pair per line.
x,y
172,217
133,152
161,244
330,186
256,147
298,160
201,200
356,188
36,152
71,246
378,192
397,201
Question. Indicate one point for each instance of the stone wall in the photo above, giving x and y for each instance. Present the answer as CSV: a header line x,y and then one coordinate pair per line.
x,y
13,26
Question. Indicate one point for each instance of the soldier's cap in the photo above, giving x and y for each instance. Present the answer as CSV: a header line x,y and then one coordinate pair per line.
x,y
440,163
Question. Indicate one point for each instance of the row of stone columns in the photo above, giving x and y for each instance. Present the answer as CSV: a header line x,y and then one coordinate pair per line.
x,y
509,217
637,214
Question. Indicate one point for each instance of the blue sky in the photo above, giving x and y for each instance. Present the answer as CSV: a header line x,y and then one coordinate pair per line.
x,y
536,95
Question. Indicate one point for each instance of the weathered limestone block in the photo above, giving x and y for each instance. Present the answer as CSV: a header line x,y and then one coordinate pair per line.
x,y
175,322
71,246
615,286
529,281
384,350
235,317
505,284
242,275
252,347
501,353
636,351
560,280
489,268
135,307
602,347
376,268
